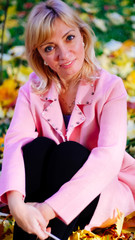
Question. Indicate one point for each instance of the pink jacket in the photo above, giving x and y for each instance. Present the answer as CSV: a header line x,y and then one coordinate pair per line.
x,y
99,122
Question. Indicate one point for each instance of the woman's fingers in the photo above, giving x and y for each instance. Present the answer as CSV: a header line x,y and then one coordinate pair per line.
x,y
48,229
42,220
27,216
32,221
39,232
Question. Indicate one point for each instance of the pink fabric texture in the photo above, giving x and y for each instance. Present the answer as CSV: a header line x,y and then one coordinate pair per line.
x,y
99,122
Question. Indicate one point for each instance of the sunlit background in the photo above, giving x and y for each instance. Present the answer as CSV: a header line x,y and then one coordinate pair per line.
x,y
114,25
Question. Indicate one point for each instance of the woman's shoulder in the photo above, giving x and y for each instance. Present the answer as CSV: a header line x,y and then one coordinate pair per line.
x,y
32,81
110,81
109,77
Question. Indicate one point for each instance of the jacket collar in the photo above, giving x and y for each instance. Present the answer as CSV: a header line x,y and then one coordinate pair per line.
x,y
84,94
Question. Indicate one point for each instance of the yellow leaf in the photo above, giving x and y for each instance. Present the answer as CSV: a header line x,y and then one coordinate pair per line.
x,y
25,70
131,215
23,74
6,35
8,92
2,112
83,234
124,2
84,17
10,23
131,78
11,11
125,47
127,44
1,140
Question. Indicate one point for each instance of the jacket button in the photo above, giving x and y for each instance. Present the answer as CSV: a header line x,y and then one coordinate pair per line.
x,y
48,120
77,122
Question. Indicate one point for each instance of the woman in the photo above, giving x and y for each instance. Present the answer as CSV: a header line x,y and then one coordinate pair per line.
x,y
68,133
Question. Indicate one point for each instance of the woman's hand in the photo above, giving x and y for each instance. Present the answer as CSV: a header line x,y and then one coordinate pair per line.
x,y
28,217
46,211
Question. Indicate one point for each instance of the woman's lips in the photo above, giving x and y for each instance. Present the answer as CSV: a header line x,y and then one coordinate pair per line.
x,y
67,64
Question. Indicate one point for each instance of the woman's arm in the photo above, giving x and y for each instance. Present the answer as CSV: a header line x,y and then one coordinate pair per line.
x,y
12,188
20,132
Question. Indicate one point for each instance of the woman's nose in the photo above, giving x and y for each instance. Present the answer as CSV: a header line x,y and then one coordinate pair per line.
x,y
63,52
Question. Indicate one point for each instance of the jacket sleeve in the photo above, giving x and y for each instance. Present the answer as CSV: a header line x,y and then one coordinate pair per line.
x,y
104,162
21,131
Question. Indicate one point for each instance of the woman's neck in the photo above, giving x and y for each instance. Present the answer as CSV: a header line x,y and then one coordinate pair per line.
x,y
67,98
70,83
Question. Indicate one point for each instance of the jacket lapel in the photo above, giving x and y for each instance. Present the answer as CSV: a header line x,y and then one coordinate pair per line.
x,y
84,98
52,111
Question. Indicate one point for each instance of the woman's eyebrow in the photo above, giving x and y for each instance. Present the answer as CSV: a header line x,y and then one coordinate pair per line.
x,y
68,32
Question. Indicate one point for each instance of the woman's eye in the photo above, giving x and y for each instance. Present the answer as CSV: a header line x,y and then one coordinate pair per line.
x,y
70,37
49,49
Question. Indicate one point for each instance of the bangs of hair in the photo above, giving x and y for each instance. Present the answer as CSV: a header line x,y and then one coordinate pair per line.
x,y
38,31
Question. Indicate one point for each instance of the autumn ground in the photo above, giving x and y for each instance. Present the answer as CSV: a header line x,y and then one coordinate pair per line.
x,y
114,25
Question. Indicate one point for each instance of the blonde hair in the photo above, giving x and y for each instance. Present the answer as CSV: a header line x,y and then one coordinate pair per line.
x,y
40,27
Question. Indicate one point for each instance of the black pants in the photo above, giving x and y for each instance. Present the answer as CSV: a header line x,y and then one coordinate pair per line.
x,y
48,166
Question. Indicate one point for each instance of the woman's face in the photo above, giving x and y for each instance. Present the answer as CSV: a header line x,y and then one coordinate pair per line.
x,y
64,51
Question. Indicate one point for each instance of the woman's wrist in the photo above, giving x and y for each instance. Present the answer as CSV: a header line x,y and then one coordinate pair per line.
x,y
15,199
50,211
46,210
